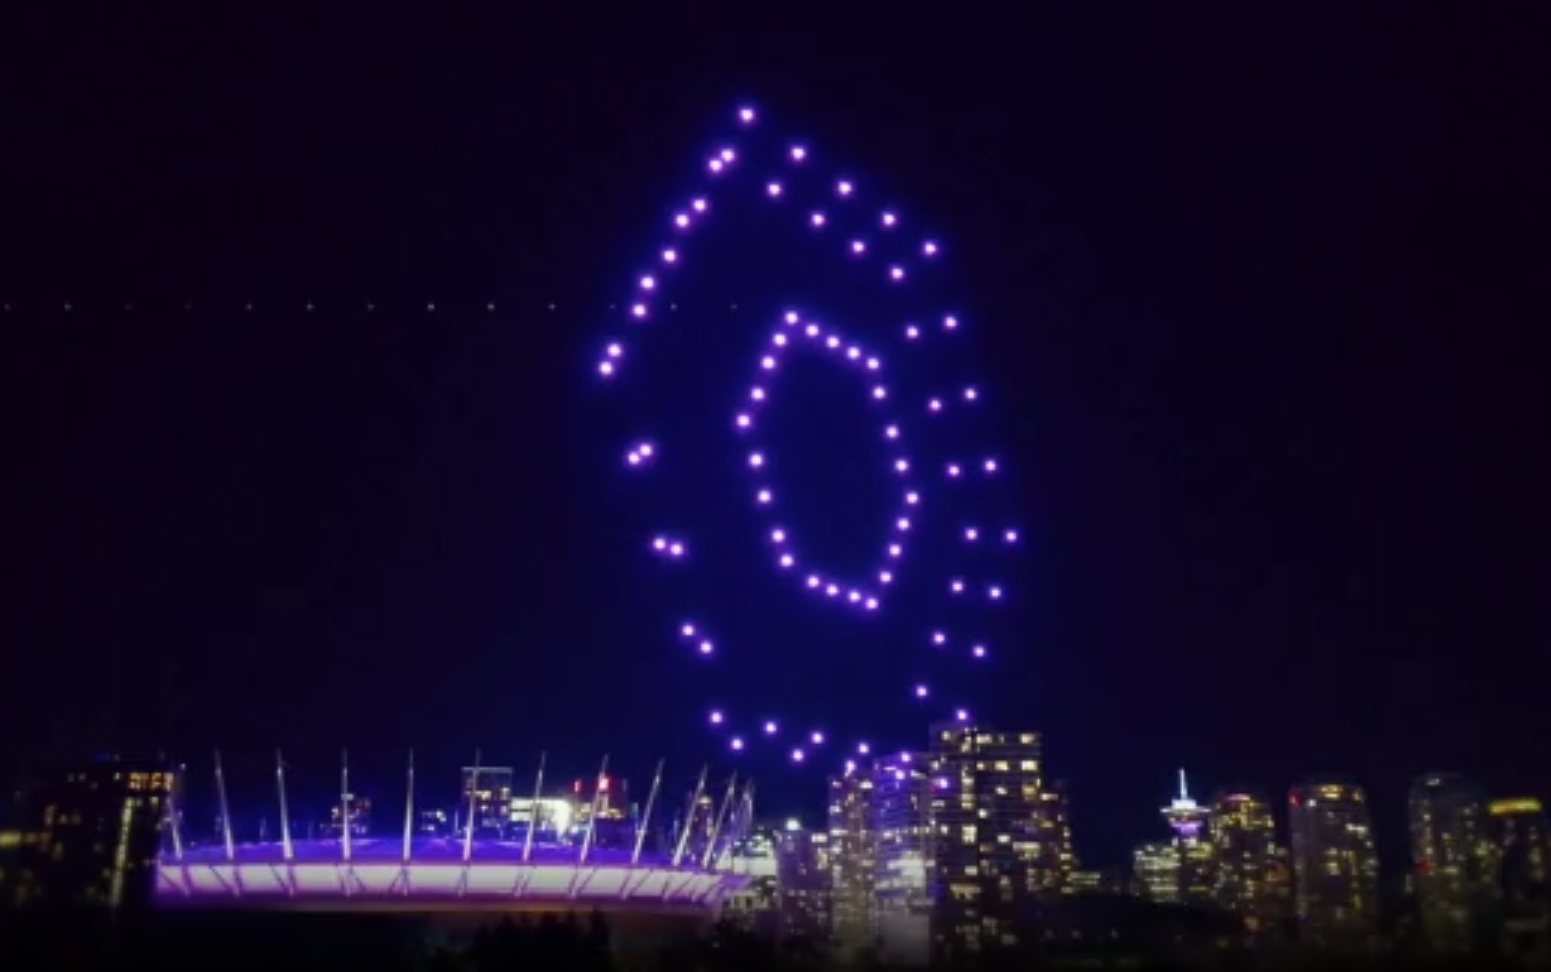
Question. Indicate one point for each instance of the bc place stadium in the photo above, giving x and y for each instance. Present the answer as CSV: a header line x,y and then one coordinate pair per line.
x,y
505,847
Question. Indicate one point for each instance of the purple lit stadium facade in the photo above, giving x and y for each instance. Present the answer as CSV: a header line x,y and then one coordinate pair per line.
x,y
465,871
496,877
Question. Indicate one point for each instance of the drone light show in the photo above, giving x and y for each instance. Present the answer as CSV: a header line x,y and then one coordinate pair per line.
x,y
935,572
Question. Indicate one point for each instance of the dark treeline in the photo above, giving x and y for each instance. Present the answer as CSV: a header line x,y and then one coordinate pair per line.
x,y
547,943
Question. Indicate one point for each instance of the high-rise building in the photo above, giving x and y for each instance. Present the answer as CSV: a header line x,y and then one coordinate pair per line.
x,y
1522,855
1452,860
487,793
1250,867
1193,852
1096,881
803,874
902,887
1335,865
1058,859
90,837
853,859
788,889
991,869
1155,871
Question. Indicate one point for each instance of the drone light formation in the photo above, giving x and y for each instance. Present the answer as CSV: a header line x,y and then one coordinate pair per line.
x,y
878,244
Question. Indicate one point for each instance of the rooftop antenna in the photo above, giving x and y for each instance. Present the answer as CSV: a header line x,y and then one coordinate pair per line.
x,y
287,851
646,818
721,817
1184,793
592,817
689,824
468,827
226,816
533,809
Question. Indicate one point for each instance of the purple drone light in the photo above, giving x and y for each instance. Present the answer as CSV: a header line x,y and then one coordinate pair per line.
x,y
811,201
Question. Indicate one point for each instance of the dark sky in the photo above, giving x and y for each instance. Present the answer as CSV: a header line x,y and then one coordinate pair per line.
x,y
1262,300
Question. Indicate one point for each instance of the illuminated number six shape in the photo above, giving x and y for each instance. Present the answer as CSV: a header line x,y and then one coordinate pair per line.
x,y
792,331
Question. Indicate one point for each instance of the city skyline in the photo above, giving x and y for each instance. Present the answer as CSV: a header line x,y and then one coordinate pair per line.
x,y
957,848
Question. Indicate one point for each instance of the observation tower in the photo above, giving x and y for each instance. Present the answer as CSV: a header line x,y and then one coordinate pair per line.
x,y
1186,817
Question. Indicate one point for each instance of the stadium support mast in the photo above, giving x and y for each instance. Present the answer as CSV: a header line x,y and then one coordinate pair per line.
x,y
468,827
226,812
646,818
174,826
533,810
409,807
287,851
721,817
689,823
745,816
344,804
592,816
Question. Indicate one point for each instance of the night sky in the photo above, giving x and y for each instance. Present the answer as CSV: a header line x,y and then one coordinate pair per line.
x,y
1262,303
